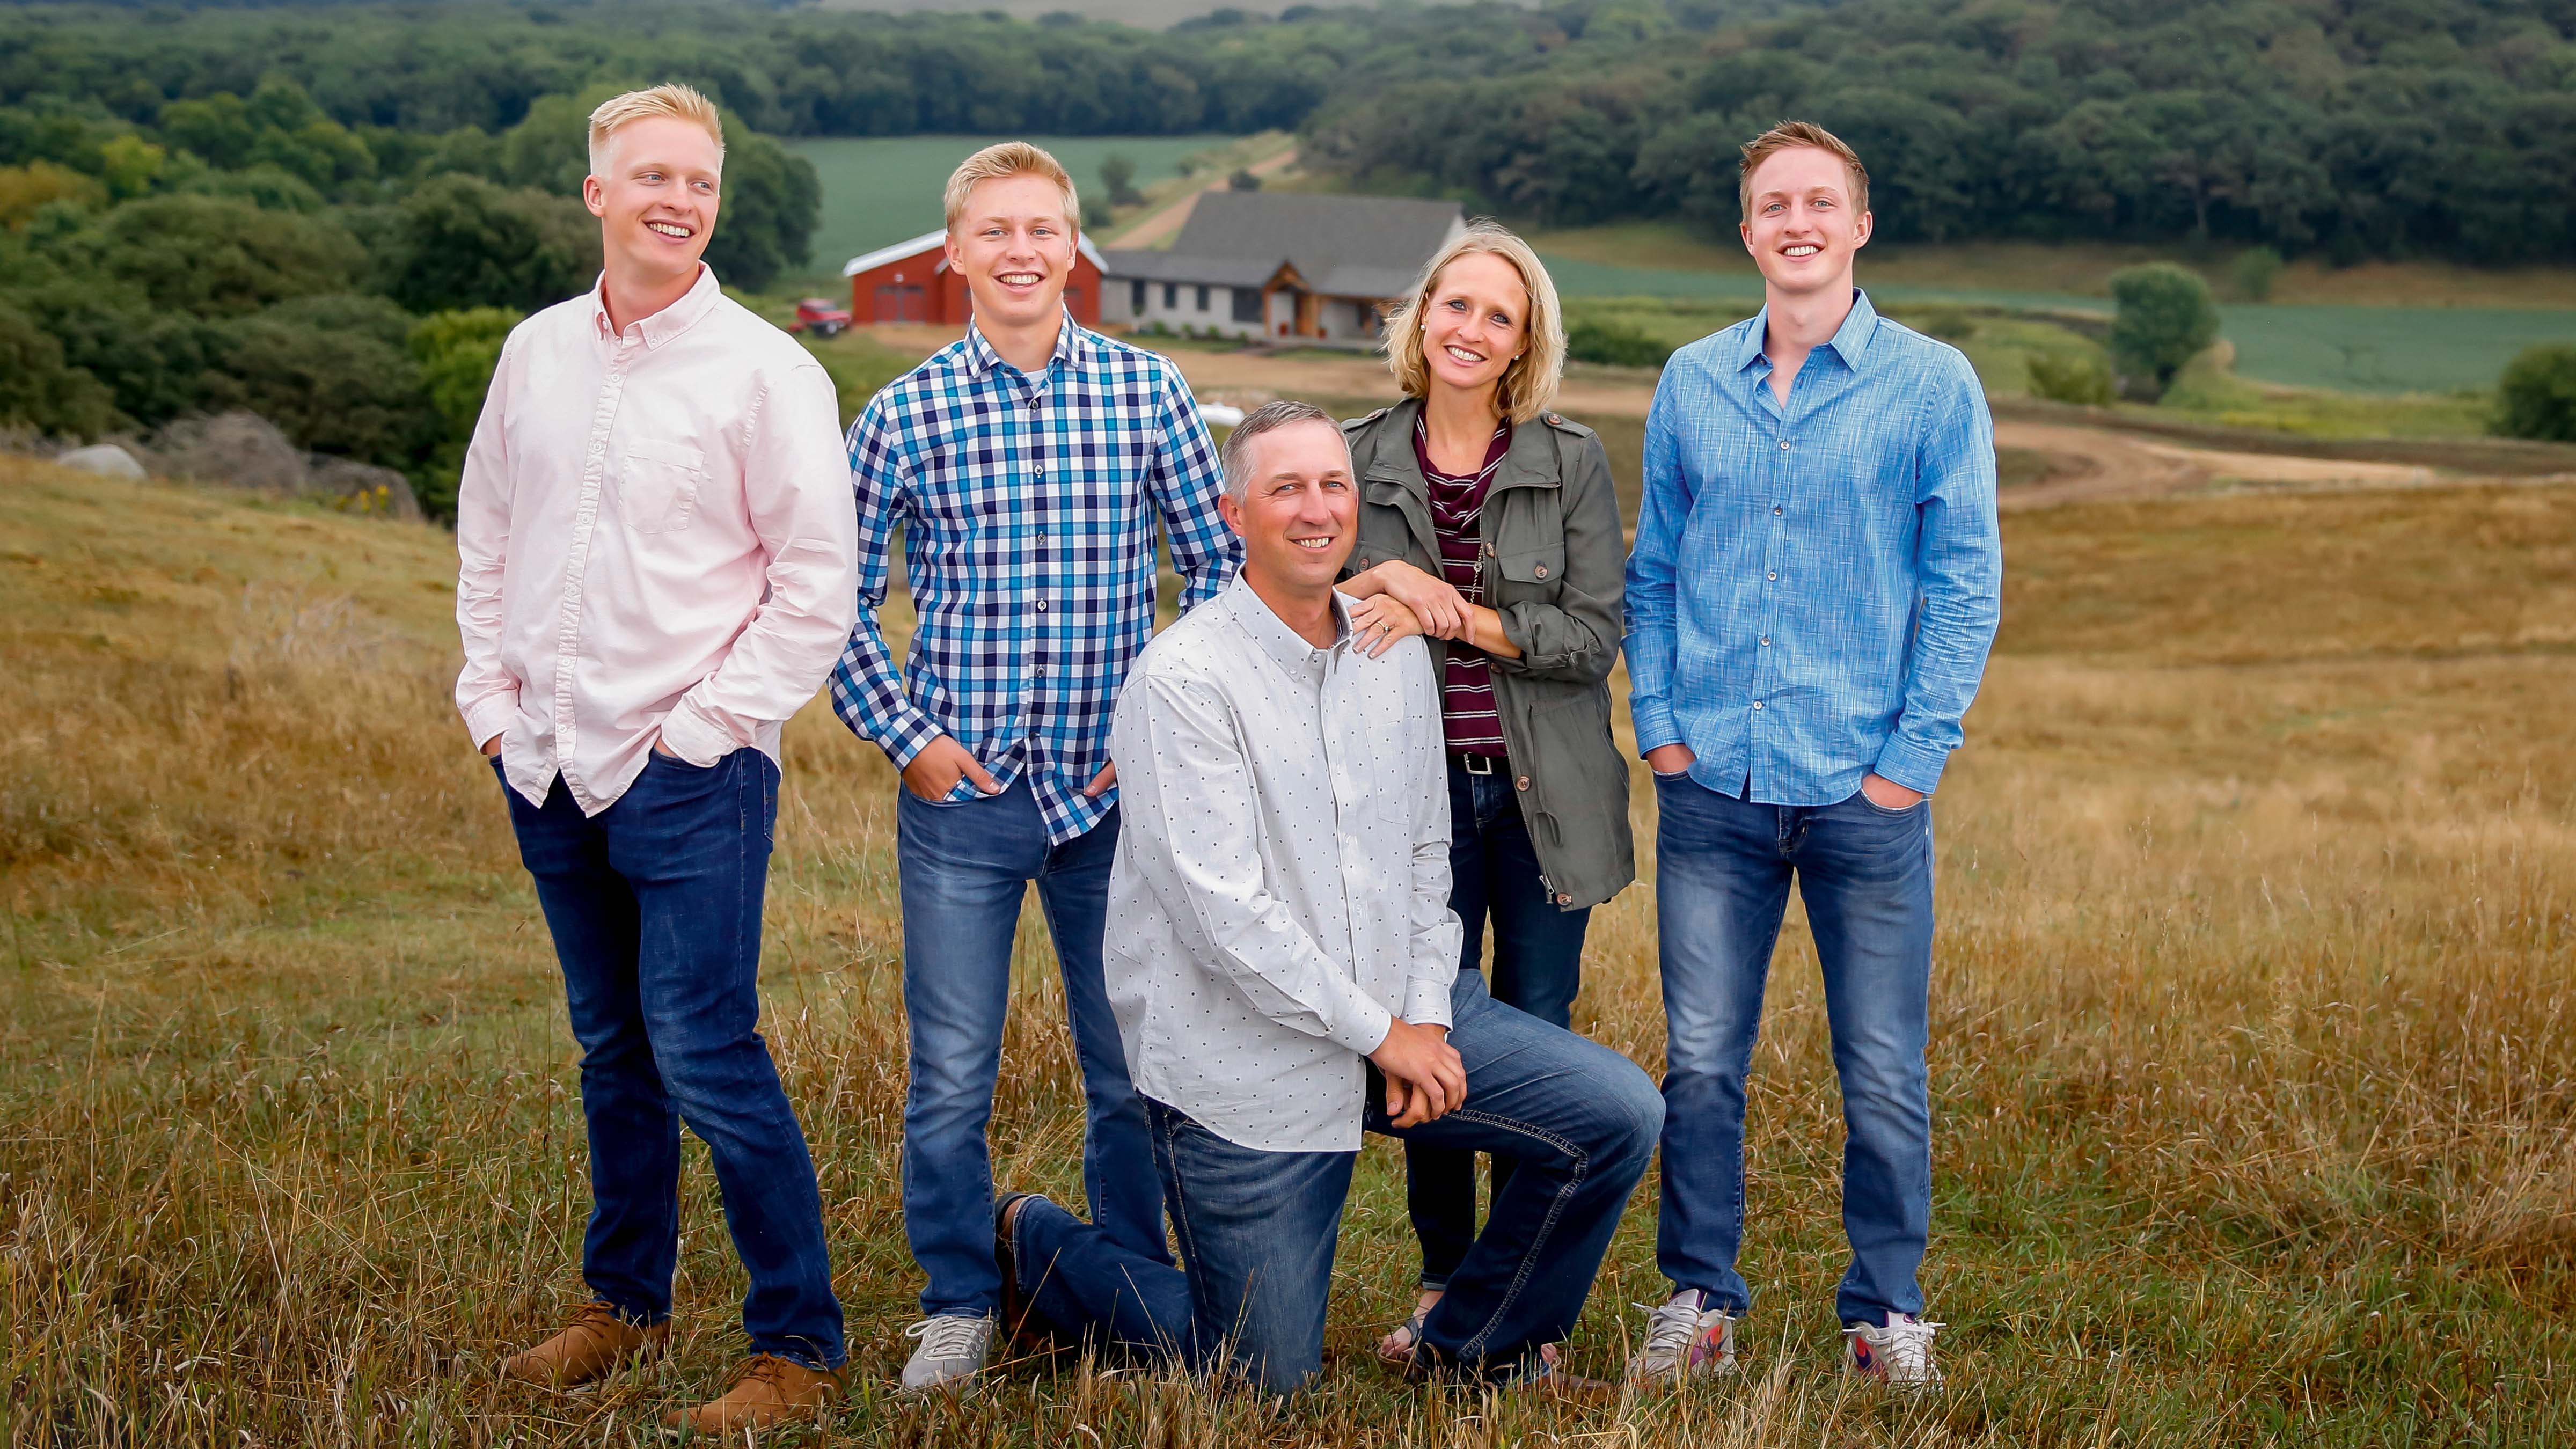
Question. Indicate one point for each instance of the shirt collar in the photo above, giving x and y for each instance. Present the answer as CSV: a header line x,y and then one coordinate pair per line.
x,y
1286,647
666,324
1849,341
1071,351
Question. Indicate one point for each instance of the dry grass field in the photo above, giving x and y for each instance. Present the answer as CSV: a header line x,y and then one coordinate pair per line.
x,y
2254,1022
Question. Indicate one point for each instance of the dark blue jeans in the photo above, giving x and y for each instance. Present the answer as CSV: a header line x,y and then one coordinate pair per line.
x,y
655,908
965,870
1722,873
1538,967
1257,1229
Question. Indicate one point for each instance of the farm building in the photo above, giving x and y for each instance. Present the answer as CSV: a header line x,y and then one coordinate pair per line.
x,y
912,282
1280,264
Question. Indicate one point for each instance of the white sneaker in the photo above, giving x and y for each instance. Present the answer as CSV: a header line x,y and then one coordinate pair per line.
x,y
1685,1340
952,1351
1899,1355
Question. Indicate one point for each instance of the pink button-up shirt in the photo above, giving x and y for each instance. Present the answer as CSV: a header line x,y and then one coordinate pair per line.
x,y
657,540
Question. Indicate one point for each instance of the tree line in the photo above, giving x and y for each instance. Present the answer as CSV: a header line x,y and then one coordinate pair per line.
x,y
2352,128
268,208
350,285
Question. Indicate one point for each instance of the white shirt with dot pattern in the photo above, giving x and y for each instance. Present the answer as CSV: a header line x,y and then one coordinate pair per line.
x,y
1281,886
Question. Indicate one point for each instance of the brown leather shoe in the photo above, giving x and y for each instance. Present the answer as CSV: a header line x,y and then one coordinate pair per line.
x,y
1020,1321
593,1346
766,1390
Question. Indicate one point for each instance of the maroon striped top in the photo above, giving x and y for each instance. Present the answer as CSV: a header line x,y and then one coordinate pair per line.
x,y
1467,714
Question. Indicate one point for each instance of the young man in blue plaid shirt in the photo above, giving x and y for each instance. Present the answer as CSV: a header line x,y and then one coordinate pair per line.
x,y
1027,464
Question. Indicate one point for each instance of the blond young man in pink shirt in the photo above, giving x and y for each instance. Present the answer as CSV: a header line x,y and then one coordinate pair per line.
x,y
658,569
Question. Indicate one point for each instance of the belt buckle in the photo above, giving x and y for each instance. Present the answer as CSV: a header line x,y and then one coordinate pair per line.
x,y
1477,764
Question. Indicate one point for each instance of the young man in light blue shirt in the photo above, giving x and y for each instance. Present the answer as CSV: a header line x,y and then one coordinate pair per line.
x,y
1812,595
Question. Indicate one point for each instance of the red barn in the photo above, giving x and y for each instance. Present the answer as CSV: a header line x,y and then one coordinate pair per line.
x,y
912,282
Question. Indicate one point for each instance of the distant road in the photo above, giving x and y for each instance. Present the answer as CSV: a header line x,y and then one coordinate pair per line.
x,y
1152,229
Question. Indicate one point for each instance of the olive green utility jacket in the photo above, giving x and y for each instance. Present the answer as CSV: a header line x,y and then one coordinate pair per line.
x,y
1553,567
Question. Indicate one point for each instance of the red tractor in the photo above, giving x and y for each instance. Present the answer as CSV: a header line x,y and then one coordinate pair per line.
x,y
818,316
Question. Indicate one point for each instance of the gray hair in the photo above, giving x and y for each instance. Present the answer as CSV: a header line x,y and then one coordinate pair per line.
x,y
1267,418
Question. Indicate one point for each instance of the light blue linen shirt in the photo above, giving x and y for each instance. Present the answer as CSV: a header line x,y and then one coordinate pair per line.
x,y
1814,587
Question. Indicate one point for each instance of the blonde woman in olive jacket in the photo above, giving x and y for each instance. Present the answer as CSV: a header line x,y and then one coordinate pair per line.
x,y
1490,523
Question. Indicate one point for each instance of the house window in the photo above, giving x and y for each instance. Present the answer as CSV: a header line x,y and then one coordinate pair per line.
x,y
1171,296
1203,299
1247,305
1136,296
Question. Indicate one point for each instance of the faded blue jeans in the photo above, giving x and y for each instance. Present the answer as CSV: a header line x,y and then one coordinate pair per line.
x,y
1723,867
655,908
965,868
1258,1228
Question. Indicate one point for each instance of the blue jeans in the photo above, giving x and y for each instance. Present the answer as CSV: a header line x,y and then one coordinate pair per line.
x,y
1722,873
1538,967
965,870
655,908
1257,1228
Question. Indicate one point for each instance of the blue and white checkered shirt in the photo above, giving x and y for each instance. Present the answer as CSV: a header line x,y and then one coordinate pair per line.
x,y
1814,588
1028,503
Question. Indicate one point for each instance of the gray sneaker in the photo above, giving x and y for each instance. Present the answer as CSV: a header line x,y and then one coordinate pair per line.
x,y
1898,1355
1685,1341
952,1351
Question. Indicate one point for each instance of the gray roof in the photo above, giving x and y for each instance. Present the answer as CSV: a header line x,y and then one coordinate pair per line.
x,y
1345,246
1154,266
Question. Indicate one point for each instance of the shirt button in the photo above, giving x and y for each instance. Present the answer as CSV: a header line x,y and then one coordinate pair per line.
x,y
1766,639
1564,898
1775,510
1489,550
1774,574
1042,609
1522,782
1541,571
1757,704
1784,445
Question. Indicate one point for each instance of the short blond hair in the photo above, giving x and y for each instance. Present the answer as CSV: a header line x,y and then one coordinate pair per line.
x,y
618,112
1530,381
1790,134
1010,158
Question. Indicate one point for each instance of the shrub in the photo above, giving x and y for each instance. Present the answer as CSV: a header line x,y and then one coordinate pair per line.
x,y
1616,344
39,390
457,352
1244,180
2536,397
221,257
2082,378
2253,272
331,391
2165,318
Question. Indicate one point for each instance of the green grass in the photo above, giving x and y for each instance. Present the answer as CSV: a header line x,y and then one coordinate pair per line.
x,y
878,190
2250,1059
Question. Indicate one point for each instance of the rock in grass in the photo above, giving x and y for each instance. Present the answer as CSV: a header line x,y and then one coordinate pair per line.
x,y
105,459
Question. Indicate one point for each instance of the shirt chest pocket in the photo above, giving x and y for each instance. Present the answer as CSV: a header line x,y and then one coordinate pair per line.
x,y
658,485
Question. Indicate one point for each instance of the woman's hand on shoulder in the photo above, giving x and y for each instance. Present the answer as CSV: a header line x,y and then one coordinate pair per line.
x,y
1379,623
1440,608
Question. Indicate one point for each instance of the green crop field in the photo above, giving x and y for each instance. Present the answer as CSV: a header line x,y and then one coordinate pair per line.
x,y
2346,347
878,190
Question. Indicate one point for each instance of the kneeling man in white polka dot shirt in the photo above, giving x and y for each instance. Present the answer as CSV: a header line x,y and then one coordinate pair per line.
x,y
1284,966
